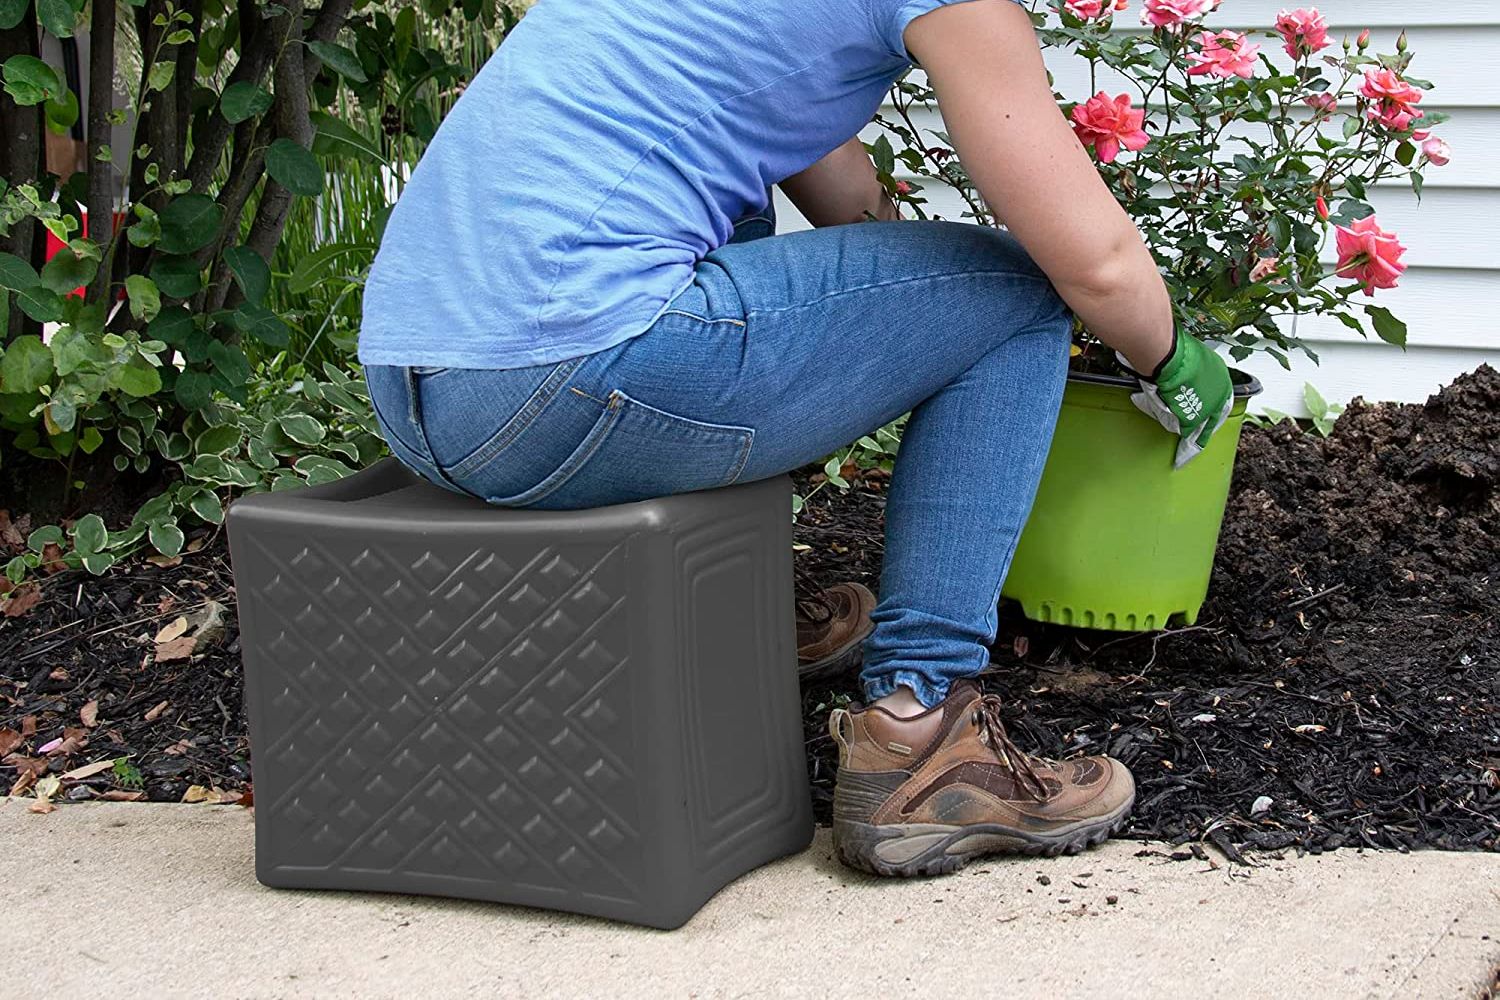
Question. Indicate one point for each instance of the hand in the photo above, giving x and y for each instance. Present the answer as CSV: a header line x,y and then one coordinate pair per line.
x,y
1190,394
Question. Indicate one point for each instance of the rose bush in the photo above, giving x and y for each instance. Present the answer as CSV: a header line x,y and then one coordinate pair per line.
x,y
1228,155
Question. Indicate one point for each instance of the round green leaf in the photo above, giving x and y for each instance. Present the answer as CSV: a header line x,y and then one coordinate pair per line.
x,y
57,16
172,326
29,81
218,440
339,59
251,271
177,277
294,168
89,534
62,113
27,365
205,503
262,324
67,271
189,222
42,537
302,428
90,440
166,537
244,100
145,299
16,274
11,13
137,378
98,563
41,304
194,390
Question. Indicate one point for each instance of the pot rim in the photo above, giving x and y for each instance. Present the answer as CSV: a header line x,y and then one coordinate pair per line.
x,y
1245,384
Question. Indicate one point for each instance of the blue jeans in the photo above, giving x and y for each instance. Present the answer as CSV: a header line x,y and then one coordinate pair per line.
x,y
783,350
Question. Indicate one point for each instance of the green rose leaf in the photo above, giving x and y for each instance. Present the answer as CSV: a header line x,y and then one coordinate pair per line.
x,y
73,349
89,534
177,277
145,299
302,428
166,537
243,101
16,274
294,168
67,271
339,59
1387,326
27,365
251,271
136,378
29,81
189,222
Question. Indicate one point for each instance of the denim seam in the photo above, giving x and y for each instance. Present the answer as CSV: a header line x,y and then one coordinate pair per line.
x,y
598,434
703,319
893,284
523,419
424,449
738,469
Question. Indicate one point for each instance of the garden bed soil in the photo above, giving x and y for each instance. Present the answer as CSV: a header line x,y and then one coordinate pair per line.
x,y
1341,688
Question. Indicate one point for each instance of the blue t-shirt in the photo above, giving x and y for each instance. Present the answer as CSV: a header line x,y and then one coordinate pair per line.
x,y
600,154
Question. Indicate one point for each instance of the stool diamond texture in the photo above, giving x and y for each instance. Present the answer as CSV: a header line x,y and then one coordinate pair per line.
x,y
593,711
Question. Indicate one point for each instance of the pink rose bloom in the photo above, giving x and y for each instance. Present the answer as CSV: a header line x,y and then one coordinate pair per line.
x,y
1369,255
1437,151
1171,13
1304,31
1226,54
1090,10
1394,100
1108,123
1264,268
1324,103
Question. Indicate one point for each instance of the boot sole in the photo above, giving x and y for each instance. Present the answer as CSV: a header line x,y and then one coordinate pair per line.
x,y
911,850
845,659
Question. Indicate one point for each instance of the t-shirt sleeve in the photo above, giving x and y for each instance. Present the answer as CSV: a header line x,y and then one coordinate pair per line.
x,y
892,17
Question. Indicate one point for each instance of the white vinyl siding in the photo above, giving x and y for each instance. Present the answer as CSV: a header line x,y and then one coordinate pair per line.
x,y
1450,297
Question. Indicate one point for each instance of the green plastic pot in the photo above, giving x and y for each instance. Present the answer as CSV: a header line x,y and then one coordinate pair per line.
x,y
1118,539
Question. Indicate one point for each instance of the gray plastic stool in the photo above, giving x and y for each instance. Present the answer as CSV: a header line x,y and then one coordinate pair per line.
x,y
593,711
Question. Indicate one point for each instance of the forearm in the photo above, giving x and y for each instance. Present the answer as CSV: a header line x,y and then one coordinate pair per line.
x,y
840,189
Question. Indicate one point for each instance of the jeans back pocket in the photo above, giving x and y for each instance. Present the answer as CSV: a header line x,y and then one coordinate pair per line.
x,y
636,451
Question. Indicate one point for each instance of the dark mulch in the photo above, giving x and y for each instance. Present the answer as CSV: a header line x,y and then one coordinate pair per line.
x,y
1344,670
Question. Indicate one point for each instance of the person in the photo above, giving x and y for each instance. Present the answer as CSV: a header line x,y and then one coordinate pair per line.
x,y
580,300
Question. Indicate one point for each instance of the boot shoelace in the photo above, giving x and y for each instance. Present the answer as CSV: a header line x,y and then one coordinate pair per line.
x,y
986,716
811,604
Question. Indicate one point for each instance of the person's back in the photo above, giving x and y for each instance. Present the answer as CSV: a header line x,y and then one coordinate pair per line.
x,y
606,148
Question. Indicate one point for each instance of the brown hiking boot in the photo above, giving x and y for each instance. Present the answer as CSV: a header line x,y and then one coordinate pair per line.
x,y
832,626
926,795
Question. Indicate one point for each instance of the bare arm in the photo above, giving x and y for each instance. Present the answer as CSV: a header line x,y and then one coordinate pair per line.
x,y
840,188
983,61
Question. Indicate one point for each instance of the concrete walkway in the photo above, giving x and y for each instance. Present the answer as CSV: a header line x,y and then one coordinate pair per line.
x,y
133,900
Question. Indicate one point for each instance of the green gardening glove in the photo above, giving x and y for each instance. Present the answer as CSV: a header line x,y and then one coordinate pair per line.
x,y
1190,394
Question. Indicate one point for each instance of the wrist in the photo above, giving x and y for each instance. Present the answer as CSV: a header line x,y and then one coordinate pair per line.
x,y
1152,362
